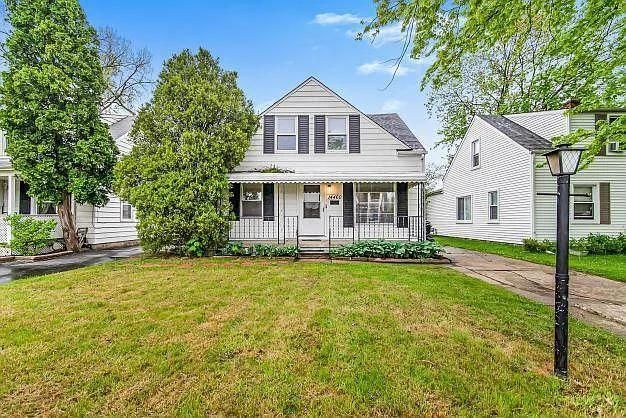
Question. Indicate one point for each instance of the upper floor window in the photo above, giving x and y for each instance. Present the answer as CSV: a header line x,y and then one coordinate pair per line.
x,y
464,209
494,204
337,133
476,153
584,206
252,200
126,211
614,146
286,138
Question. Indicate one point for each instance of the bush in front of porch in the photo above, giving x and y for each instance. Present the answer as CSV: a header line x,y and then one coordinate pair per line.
x,y
29,235
389,249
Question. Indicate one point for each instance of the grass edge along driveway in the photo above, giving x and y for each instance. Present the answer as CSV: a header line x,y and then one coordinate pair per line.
x,y
609,266
242,337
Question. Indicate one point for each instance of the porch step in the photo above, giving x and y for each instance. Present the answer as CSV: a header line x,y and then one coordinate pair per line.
x,y
313,253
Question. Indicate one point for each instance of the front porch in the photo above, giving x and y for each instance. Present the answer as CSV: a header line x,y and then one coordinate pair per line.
x,y
327,214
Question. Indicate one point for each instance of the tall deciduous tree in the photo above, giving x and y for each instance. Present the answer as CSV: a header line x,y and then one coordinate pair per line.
x,y
49,107
194,131
524,55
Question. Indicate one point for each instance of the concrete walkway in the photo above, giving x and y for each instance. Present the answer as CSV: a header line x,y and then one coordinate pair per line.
x,y
593,299
16,269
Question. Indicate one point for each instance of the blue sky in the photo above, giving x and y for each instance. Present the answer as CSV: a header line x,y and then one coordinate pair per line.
x,y
274,45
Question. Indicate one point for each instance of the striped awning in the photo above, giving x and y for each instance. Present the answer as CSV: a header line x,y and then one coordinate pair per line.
x,y
256,177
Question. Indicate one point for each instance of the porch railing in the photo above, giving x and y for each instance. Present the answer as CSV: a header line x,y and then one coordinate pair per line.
x,y
280,229
402,228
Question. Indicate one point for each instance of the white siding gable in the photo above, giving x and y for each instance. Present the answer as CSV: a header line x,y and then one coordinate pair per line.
x,y
547,124
505,166
378,147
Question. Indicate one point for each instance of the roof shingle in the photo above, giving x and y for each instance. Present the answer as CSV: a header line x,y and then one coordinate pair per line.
x,y
525,137
392,123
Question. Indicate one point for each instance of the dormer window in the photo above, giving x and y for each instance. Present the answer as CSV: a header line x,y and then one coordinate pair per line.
x,y
476,153
337,133
286,138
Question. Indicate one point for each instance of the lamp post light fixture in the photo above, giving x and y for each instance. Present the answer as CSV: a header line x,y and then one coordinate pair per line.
x,y
563,162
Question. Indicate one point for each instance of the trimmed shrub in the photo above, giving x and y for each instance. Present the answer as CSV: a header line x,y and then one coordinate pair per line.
x,y
260,250
29,235
389,249
600,244
536,246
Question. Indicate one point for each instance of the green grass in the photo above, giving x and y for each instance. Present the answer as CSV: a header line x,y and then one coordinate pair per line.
x,y
609,266
242,337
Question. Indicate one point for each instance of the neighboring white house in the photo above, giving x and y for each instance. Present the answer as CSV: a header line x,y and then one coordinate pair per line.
x,y
318,169
110,225
490,189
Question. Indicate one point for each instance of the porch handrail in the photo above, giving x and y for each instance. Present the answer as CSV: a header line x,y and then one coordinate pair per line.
x,y
270,228
401,228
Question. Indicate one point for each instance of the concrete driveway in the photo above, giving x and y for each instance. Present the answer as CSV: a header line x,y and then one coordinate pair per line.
x,y
593,299
16,269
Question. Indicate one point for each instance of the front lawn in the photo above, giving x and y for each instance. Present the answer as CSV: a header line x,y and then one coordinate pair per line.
x,y
243,337
609,266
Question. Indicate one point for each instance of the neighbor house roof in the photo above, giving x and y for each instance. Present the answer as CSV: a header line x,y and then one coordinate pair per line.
x,y
122,126
392,123
525,137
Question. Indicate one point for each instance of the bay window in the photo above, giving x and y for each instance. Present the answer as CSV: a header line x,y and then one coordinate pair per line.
x,y
286,138
375,202
252,200
337,133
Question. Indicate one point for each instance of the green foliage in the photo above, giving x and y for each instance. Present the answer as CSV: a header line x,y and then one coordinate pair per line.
x,y
527,56
49,102
193,132
29,235
389,249
536,246
600,244
260,250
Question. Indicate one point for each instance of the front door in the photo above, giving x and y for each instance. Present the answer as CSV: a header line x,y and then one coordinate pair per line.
x,y
312,208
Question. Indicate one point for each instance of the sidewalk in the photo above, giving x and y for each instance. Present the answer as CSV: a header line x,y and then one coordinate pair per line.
x,y
16,269
593,299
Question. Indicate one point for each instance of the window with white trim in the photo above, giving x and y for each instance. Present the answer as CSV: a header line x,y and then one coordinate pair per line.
x,y
337,133
464,208
252,200
126,211
286,136
584,206
494,205
375,202
476,153
614,146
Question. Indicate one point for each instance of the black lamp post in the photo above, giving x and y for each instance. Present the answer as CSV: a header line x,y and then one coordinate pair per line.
x,y
563,162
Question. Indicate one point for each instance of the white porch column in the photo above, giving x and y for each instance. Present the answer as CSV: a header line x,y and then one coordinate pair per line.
x,y
11,194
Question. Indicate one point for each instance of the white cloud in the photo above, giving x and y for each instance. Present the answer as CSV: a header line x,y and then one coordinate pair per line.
x,y
336,19
383,67
392,106
388,34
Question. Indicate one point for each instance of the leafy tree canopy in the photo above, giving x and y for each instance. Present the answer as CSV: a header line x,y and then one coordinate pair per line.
x,y
49,105
514,56
194,131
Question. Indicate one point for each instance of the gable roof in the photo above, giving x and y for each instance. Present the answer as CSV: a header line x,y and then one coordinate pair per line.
x,y
389,122
523,136
122,126
392,123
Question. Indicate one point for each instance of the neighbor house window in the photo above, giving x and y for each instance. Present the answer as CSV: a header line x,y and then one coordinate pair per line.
x,y
375,202
252,200
493,205
464,208
46,208
286,138
337,138
127,211
584,206
476,153
614,145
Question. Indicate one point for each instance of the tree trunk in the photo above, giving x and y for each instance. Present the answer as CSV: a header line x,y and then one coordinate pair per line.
x,y
67,223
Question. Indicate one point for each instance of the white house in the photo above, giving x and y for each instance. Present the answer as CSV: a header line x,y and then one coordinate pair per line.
x,y
110,225
490,189
319,169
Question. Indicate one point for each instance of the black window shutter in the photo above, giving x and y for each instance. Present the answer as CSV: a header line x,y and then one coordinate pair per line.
x,y
605,203
355,133
24,198
402,197
303,134
268,201
268,134
320,134
235,198
348,205
599,117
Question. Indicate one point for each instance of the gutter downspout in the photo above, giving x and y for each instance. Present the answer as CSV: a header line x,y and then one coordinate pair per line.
x,y
532,195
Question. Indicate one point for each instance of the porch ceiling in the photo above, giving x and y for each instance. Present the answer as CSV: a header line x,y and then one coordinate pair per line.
x,y
256,177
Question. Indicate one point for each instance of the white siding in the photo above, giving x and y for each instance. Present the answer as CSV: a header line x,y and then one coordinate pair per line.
x,y
547,124
108,226
378,147
504,166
